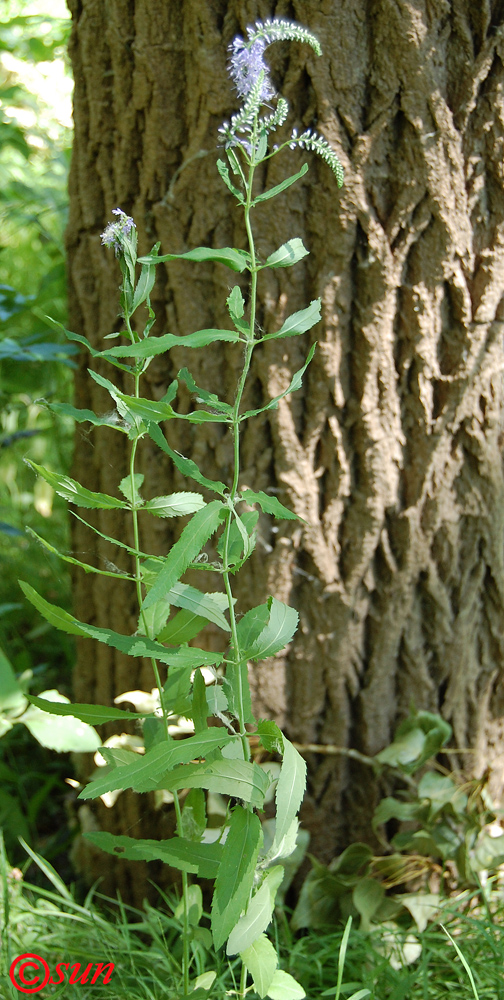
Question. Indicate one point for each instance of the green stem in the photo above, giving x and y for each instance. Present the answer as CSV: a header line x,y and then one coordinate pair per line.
x,y
185,936
243,980
235,430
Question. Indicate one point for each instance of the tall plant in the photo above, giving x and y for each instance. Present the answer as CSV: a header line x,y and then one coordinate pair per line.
x,y
217,756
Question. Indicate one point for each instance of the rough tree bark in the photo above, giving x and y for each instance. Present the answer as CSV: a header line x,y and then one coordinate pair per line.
x,y
392,450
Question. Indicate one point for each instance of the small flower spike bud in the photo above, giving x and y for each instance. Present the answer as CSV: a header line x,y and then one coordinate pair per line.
x,y
115,232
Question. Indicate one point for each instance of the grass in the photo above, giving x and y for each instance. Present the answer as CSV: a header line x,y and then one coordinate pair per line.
x,y
464,962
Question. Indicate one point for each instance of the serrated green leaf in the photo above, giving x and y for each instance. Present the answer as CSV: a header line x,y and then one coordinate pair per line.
x,y
130,489
239,778
132,645
65,735
276,634
175,504
75,493
234,882
295,384
92,714
77,338
248,520
208,606
185,465
272,193
199,703
237,260
288,254
224,172
183,627
202,394
152,346
186,855
251,625
299,322
87,416
77,562
290,789
261,960
145,282
258,914
196,533
270,505
145,773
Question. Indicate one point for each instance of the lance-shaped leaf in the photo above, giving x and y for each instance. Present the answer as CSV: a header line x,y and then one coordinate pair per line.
x,y
75,493
185,465
261,960
92,714
296,383
208,606
83,340
270,505
77,562
288,254
238,778
145,282
65,735
237,260
152,346
224,172
186,855
272,193
132,645
235,878
146,772
88,416
277,632
258,915
290,789
299,322
194,536
175,505
203,396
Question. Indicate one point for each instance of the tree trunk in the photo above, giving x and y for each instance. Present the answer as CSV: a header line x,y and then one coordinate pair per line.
x,y
391,450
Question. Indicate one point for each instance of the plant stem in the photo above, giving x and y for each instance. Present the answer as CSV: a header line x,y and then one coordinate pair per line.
x,y
235,430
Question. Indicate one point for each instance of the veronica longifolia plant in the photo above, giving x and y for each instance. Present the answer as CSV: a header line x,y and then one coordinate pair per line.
x,y
204,686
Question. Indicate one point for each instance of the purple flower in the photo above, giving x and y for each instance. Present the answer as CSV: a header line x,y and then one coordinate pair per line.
x,y
116,231
247,64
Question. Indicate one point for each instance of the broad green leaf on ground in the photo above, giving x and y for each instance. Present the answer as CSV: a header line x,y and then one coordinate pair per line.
x,y
295,384
132,645
87,416
261,960
270,505
145,773
277,632
66,735
283,986
299,322
175,504
258,914
237,260
75,493
203,395
152,346
186,855
272,193
76,562
288,254
238,778
290,789
185,465
92,714
236,875
196,533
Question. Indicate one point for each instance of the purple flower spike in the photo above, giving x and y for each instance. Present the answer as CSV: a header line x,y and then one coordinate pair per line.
x,y
111,237
247,64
